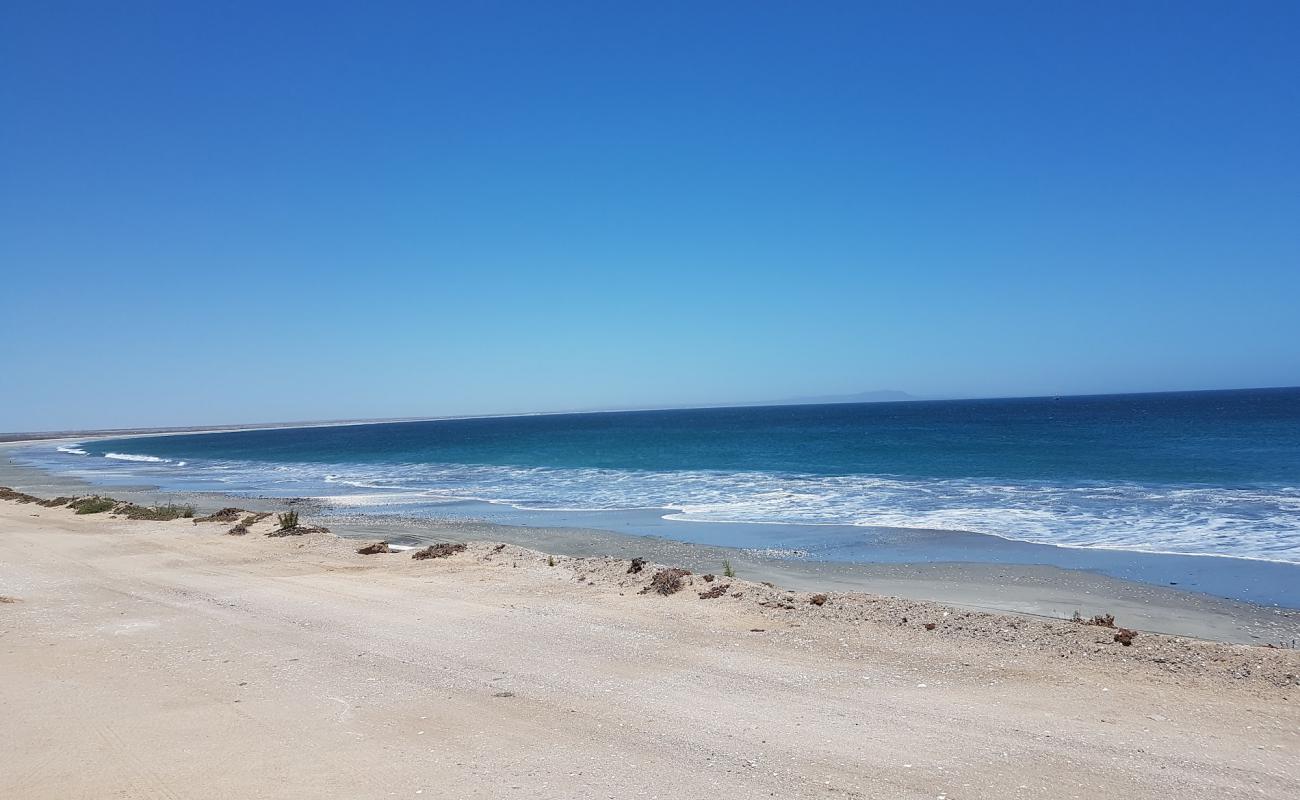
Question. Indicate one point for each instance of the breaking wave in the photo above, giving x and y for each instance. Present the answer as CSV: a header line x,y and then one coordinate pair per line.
x,y
136,457
1255,522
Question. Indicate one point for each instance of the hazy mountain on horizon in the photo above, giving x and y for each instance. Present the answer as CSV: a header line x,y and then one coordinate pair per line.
x,y
877,396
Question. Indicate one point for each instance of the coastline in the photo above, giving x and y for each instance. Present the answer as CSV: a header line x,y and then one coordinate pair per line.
x,y
1030,589
490,672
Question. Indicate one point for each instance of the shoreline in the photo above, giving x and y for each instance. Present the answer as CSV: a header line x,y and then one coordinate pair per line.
x,y
1032,590
491,671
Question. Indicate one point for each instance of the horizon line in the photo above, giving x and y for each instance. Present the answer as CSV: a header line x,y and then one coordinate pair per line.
x,y
15,437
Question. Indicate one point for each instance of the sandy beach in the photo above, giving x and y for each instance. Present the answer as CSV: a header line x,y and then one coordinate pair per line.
x,y
168,659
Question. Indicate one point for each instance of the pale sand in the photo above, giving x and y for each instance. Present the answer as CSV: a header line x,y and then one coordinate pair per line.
x,y
170,660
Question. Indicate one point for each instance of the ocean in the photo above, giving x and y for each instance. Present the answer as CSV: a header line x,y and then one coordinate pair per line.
x,y
1199,473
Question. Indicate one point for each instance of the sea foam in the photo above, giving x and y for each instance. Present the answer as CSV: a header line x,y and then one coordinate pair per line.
x,y
1244,522
137,457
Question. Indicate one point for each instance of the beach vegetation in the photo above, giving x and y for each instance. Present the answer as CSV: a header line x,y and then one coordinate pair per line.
x,y
19,497
727,571
159,513
440,550
550,561
288,520
230,514
667,581
93,505
717,591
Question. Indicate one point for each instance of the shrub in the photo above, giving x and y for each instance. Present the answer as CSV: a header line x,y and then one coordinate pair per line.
x,y
288,520
667,581
1100,620
93,505
224,515
727,571
550,561
441,550
156,513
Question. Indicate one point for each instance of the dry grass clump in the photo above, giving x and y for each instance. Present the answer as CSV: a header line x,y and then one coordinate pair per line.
x,y
667,581
818,599
288,525
636,566
297,530
18,497
239,530
440,550
717,591
373,549
1100,620
224,515
1125,636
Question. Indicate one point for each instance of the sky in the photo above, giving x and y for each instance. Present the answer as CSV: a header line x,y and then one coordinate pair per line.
x,y
220,213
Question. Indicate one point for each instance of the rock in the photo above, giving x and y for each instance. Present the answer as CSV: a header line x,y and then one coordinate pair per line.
x,y
1125,636
818,599
372,549
638,564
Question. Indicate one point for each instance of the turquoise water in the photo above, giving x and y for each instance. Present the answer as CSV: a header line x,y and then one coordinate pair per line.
x,y
1205,473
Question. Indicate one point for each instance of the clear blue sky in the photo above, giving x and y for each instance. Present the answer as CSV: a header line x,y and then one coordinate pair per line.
x,y
218,212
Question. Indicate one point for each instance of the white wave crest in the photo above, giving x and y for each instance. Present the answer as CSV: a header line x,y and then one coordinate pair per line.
x,y
1250,522
137,457
76,451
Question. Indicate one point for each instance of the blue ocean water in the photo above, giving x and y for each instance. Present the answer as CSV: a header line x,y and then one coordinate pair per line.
x,y
1205,473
